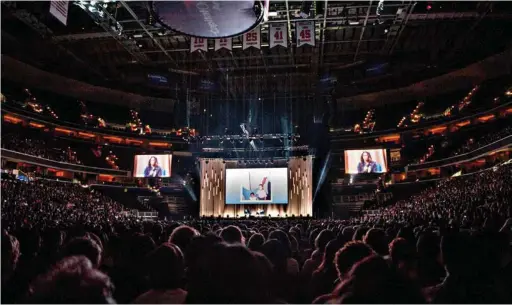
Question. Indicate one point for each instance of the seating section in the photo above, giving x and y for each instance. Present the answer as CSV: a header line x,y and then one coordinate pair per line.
x,y
389,256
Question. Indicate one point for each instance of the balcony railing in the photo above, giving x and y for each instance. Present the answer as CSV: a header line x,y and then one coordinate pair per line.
x,y
479,152
335,137
21,157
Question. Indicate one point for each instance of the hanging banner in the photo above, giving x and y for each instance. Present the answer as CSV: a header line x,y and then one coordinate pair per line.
x,y
305,31
225,43
197,43
59,9
252,39
278,35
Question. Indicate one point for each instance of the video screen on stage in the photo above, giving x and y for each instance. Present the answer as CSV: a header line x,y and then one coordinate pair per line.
x,y
257,185
365,161
152,166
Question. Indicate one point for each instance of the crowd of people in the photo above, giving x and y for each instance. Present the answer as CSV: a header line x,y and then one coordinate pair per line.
x,y
469,201
44,202
38,147
487,139
448,244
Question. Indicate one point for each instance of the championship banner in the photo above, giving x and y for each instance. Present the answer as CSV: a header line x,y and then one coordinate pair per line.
x,y
226,43
305,31
59,9
197,43
278,35
252,39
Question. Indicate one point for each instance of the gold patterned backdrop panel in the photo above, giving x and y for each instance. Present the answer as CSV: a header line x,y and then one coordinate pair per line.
x,y
300,190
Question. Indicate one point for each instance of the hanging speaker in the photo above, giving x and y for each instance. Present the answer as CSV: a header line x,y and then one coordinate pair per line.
x,y
208,19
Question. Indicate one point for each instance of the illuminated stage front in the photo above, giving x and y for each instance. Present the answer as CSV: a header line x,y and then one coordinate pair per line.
x,y
213,191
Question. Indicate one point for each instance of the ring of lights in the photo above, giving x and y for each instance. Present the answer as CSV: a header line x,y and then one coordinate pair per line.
x,y
208,19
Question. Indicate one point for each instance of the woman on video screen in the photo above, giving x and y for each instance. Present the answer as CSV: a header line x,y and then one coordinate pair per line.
x,y
153,169
366,165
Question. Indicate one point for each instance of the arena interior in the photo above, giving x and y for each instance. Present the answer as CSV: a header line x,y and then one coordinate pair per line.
x,y
317,152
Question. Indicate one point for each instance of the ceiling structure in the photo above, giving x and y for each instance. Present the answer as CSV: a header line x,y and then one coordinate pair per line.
x,y
356,51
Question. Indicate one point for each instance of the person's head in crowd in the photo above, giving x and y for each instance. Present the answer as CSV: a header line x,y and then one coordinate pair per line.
x,y
322,239
312,237
294,245
377,239
359,233
10,255
53,239
96,238
403,257
349,255
428,247
283,238
330,253
232,235
457,254
347,233
255,242
228,274
277,254
83,246
72,280
265,266
166,267
406,233
157,231
30,242
139,246
372,281
182,235
198,247
295,232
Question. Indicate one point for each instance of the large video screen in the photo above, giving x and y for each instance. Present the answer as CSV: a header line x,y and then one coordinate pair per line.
x,y
365,161
152,166
257,185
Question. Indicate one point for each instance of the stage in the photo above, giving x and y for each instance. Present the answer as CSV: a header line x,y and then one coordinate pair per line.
x,y
297,200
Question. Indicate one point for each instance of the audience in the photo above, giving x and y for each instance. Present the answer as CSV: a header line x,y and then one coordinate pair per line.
x,y
166,268
62,243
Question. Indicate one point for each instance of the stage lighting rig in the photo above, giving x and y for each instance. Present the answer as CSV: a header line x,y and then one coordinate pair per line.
x,y
99,11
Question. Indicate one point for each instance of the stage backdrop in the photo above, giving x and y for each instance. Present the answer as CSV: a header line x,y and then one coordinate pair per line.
x,y
213,190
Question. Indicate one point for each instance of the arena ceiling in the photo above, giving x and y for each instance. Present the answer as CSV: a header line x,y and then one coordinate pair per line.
x,y
356,51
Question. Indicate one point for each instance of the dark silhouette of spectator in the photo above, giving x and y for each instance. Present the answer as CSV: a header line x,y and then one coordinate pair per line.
x,y
311,264
255,242
182,235
403,258
292,264
129,272
359,233
232,235
10,255
322,280
349,255
371,281
430,270
282,279
377,239
468,274
71,281
228,274
86,247
166,269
